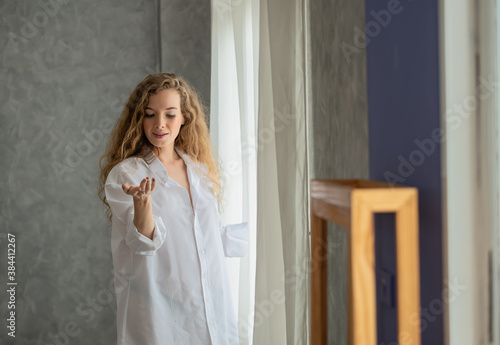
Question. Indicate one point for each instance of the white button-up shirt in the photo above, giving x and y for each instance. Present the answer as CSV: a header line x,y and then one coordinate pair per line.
x,y
173,289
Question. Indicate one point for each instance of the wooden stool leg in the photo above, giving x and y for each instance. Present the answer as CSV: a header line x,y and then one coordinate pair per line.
x,y
319,303
362,308
407,258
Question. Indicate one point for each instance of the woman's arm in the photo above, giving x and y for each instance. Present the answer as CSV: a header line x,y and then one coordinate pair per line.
x,y
143,217
121,194
143,211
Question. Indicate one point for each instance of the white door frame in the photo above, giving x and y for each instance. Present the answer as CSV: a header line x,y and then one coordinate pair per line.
x,y
489,168
469,50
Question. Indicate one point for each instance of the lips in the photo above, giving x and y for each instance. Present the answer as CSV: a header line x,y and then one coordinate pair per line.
x,y
160,135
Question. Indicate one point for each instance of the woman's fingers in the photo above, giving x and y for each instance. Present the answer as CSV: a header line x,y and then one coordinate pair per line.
x,y
153,185
143,184
134,190
146,187
130,190
126,188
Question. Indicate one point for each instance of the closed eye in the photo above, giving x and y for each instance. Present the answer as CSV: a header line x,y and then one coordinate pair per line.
x,y
151,115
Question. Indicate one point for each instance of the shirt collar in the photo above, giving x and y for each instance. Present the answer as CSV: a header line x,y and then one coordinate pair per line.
x,y
159,170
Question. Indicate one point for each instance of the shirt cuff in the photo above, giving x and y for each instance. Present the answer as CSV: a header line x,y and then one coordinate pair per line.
x,y
143,245
235,239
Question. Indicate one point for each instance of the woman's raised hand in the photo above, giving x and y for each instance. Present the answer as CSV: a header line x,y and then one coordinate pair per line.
x,y
141,192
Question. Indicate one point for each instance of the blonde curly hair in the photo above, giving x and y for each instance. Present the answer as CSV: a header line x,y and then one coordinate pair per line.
x,y
128,138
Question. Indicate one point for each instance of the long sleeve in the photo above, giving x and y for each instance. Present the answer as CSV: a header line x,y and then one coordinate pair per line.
x,y
235,239
178,286
122,208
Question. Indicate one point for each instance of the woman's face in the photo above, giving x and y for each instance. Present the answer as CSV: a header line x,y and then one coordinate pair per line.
x,y
163,118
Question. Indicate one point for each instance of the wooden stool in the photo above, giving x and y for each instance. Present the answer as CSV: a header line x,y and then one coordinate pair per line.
x,y
352,204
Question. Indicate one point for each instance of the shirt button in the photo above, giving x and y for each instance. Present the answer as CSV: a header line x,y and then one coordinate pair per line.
x,y
204,276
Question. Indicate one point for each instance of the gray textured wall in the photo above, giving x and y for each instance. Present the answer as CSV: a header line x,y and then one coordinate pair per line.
x,y
339,128
66,70
188,51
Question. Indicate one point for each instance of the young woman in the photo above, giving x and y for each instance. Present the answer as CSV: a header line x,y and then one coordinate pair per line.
x,y
161,185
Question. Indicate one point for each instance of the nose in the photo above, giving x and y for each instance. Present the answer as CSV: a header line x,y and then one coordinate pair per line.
x,y
160,122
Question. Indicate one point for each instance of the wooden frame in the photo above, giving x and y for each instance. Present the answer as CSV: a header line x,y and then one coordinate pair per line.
x,y
352,204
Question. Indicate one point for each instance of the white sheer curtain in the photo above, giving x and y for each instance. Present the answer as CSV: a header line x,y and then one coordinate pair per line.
x,y
282,187
232,129
258,127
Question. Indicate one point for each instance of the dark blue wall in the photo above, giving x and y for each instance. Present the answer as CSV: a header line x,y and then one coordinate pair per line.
x,y
403,115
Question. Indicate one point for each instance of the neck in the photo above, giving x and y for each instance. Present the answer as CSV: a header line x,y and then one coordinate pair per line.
x,y
167,154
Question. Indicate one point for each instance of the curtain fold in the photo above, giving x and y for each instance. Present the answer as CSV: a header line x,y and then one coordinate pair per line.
x,y
232,130
258,128
282,176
